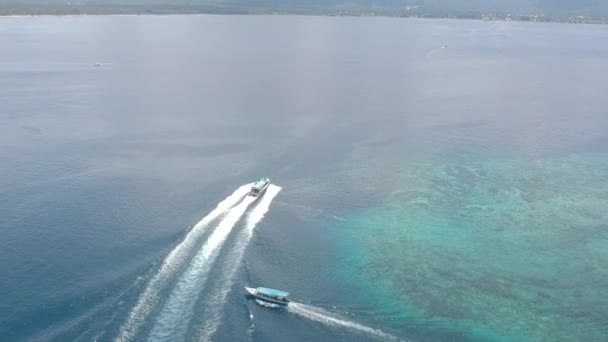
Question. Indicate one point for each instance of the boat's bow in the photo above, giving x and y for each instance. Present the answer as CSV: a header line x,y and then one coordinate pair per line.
x,y
250,290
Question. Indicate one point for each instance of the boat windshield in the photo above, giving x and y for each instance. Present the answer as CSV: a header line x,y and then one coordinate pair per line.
x,y
259,184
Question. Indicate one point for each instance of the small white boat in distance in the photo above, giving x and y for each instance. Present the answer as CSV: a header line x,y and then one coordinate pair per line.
x,y
259,187
269,295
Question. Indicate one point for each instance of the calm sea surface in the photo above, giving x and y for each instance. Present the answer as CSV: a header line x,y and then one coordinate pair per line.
x,y
433,179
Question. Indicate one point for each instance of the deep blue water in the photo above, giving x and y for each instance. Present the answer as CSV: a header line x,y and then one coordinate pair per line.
x,y
104,169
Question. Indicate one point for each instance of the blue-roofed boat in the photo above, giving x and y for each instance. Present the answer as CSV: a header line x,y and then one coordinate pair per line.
x,y
269,295
259,187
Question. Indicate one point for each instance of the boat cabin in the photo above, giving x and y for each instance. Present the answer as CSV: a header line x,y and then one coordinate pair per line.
x,y
271,295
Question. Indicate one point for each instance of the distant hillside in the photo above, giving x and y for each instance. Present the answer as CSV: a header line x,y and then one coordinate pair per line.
x,y
466,8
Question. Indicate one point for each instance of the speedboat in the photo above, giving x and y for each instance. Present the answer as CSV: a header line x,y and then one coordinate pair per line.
x,y
269,295
259,187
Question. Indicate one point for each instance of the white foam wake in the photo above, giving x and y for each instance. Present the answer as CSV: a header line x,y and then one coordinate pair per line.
x,y
171,265
176,314
323,316
216,299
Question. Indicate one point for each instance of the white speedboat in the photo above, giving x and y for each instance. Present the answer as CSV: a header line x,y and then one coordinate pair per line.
x,y
269,295
259,187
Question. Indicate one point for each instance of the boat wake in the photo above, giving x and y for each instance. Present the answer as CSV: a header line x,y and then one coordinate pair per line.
x,y
173,263
251,327
214,303
175,316
268,305
323,316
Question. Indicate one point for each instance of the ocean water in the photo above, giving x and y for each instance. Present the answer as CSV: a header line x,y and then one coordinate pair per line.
x,y
432,179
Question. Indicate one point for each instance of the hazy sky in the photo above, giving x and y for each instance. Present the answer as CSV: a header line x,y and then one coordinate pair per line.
x,y
561,7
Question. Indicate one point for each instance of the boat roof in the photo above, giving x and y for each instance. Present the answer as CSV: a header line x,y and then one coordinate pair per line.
x,y
260,183
272,292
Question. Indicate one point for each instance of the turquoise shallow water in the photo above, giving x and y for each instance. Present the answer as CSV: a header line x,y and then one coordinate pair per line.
x,y
504,249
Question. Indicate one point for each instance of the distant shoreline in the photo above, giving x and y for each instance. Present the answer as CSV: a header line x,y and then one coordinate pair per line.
x,y
138,11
